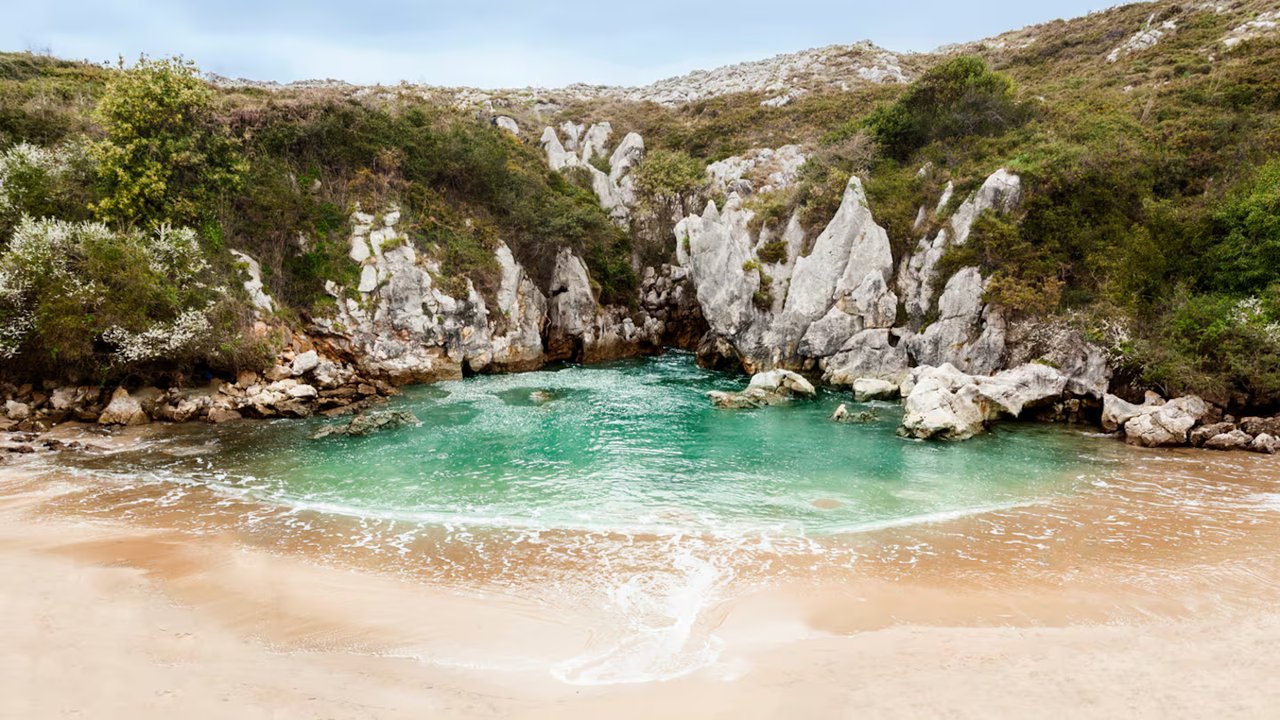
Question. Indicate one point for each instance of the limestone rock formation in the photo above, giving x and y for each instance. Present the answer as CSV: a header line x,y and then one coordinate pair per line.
x,y
867,389
757,171
406,328
614,189
948,404
262,302
768,388
1166,424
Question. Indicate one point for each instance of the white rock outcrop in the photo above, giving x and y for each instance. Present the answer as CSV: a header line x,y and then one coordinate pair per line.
x,y
253,285
948,404
614,189
1148,37
1266,23
401,326
757,171
1160,425
123,409
769,388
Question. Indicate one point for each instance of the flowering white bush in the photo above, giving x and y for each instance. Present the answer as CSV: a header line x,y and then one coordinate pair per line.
x,y
1250,312
26,168
176,252
164,339
147,295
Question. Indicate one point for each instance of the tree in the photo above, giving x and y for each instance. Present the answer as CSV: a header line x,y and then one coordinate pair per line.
x,y
163,157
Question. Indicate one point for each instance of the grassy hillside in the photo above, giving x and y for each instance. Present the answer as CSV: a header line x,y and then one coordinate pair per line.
x,y
1151,216
1152,203
276,175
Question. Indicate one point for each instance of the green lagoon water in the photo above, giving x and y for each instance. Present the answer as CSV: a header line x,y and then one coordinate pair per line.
x,y
635,447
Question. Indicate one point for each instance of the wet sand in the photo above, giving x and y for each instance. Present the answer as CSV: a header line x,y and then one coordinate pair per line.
x,y
1156,599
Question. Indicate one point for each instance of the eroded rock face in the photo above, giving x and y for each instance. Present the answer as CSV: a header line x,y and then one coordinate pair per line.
x,y
614,189
402,326
837,308
948,404
517,328
798,308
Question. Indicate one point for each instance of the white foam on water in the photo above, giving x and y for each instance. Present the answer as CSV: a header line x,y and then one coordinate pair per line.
x,y
1267,501
664,632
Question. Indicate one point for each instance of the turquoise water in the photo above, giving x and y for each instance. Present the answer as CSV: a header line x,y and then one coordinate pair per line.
x,y
635,446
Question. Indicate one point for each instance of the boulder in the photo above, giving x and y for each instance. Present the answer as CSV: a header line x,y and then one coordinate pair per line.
x,y
1022,387
278,372
769,388
303,391
15,410
944,403
63,398
782,382
866,389
948,404
1205,433
1260,425
843,415
1116,412
190,408
1265,443
1166,425
1234,440
221,415
507,123
123,410
305,363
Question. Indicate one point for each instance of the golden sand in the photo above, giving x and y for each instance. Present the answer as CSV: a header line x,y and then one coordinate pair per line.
x,y
1153,598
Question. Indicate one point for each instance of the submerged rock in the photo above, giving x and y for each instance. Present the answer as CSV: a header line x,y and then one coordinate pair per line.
x,y
844,415
768,388
366,423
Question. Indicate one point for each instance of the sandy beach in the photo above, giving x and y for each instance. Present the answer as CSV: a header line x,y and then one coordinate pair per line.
x,y
107,618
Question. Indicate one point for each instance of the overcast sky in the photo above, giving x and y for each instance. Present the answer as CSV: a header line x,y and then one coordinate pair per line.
x,y
496,43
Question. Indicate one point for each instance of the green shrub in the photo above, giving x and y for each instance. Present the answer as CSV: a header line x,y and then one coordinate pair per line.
x,y
78,299
774,251
1214,345
1246,256
42,182
957,98
164,157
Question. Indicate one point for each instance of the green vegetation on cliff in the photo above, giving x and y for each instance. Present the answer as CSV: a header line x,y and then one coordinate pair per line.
x,y
123,191
1152,192
1151,208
